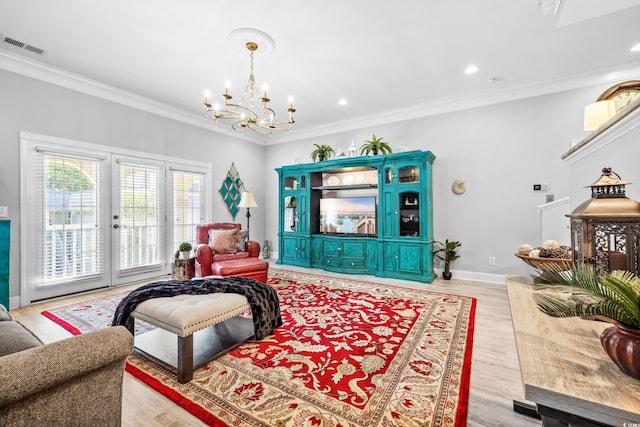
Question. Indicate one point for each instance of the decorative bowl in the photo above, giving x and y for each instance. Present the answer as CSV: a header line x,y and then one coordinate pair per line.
x,y
537,262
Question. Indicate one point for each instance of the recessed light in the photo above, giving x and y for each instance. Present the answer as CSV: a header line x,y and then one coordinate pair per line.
x,y
471,69
343,101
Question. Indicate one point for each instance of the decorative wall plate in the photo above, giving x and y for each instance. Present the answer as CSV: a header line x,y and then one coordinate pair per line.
x,y
333,180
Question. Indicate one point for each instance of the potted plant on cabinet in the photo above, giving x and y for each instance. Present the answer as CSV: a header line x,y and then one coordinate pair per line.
x,y
375,145
447,253
612,297
185,249
321,152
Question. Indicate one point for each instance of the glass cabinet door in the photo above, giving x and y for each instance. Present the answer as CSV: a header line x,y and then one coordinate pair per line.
x,y
290,183
405,174
409,174
290,214
409,214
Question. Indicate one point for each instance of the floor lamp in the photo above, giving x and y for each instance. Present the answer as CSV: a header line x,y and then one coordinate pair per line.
x,y
247,201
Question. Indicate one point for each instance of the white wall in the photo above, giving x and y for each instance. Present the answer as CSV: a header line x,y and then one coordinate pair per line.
x,y
500,151
617,147
32,105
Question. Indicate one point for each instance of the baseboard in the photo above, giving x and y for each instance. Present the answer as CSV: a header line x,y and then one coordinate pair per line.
x,y
474,276
14,302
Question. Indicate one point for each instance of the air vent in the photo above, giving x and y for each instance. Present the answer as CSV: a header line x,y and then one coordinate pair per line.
x,y
17,45
13,42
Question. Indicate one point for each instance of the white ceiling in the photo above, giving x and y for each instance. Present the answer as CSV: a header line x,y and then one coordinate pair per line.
x,y
391,60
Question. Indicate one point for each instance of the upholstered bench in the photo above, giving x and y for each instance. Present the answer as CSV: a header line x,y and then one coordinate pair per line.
x,y
187,314
254,268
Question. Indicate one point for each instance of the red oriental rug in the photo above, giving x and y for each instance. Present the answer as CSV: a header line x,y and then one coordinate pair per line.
x,y
350,353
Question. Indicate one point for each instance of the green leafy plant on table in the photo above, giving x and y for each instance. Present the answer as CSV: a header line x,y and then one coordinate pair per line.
x,y
185,246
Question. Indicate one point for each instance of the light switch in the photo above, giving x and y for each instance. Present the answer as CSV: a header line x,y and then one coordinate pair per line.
x,y
4,212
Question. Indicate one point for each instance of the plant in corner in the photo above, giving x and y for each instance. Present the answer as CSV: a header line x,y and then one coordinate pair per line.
x,y
375,145
447,253
321,152
612,297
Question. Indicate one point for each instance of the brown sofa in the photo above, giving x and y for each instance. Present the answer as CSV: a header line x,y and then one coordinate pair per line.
x,y
73,382
208,261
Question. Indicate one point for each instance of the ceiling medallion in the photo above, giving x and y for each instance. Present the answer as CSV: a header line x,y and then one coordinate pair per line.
x,y
245,114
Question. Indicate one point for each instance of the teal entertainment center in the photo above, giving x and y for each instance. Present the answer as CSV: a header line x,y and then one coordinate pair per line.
x,y
366,214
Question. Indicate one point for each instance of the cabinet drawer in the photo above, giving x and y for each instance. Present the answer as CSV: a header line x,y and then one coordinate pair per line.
x,y
353,262
334,262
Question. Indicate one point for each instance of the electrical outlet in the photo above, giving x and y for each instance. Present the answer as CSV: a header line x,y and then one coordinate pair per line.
x,y
4,212
492,260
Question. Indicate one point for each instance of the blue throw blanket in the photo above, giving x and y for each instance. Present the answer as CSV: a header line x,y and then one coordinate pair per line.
x,y
262,299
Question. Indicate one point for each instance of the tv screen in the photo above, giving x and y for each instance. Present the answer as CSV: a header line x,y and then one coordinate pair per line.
x,y
348,215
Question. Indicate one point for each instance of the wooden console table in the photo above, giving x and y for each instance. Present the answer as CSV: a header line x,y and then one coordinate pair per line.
x,y
565,371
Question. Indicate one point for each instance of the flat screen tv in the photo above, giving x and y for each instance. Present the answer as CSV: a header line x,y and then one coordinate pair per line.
x,y
348,215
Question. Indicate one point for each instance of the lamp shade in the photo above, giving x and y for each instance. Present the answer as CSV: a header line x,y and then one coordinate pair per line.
x,y
247,200
597,113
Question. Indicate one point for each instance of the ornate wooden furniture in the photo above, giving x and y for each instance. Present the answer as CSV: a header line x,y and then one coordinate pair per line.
x,y
396,240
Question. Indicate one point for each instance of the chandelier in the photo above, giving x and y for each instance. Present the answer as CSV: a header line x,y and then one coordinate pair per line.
x,y
245,113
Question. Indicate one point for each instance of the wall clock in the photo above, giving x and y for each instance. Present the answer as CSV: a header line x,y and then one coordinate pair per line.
x,y
622,94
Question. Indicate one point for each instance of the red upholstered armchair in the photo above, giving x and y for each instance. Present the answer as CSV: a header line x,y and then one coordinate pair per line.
x,y
205,255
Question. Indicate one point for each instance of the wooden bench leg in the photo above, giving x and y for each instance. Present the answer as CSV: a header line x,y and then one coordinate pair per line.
x,y
185,359
131,326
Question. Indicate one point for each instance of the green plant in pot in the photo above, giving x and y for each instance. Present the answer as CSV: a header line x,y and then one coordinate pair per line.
x,y
375,145
447,253
612,297
321,152
185,249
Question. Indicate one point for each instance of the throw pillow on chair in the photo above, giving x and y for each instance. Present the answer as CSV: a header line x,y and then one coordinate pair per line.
x,y
224,241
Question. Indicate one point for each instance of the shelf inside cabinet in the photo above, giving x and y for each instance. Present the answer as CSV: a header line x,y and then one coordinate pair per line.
x,y
345,187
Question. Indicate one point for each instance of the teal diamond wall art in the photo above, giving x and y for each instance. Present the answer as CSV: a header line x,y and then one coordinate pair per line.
x,y
231,190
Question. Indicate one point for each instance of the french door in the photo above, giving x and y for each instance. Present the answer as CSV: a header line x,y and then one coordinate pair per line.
x,y
137,219
91,218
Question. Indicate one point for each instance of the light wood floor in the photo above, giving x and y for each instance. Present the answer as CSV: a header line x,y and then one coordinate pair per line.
x,y
495,374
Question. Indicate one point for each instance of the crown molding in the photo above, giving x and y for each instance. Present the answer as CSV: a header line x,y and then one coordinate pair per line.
x,y
40,71
532,89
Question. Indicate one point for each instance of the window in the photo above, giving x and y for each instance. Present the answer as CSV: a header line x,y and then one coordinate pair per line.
x,y
71,245
187,213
